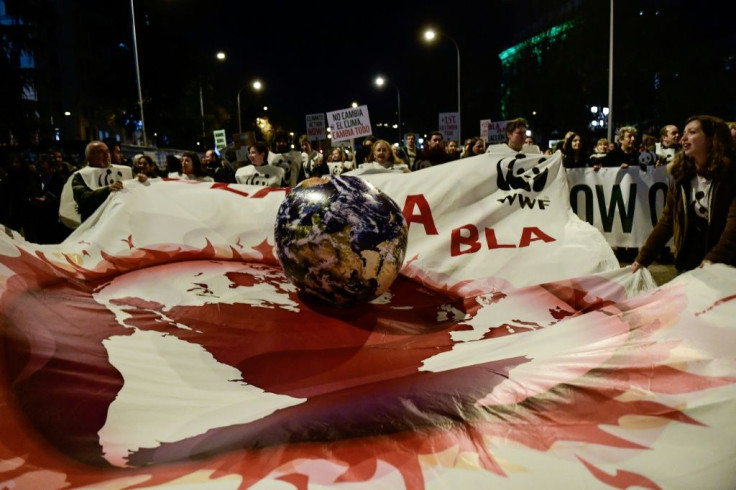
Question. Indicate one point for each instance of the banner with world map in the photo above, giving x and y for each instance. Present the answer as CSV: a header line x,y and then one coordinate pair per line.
x,y
161,345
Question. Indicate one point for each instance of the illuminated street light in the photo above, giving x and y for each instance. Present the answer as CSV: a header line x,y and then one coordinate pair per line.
x,y
429,36
380,82
220,56
257,86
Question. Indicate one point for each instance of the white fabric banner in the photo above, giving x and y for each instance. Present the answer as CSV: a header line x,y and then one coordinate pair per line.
x,y
485,216
474,218
162,340
623,204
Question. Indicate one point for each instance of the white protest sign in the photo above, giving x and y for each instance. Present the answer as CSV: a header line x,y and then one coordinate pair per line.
x,y
450,125
484,124
496,132
316,127
350,123
220,139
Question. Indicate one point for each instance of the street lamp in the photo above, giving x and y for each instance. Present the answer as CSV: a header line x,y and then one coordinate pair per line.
x,y
138,75
256,85
380,82
429,35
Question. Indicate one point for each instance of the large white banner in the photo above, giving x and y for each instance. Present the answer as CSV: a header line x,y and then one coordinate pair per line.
x,y
478,217
485,215
623,204
162,345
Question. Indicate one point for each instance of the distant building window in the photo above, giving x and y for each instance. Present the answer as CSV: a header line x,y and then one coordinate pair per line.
x,y
29,93
27,60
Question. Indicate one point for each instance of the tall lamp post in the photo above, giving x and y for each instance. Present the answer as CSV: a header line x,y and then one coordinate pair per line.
x,y
610,76
380,82
138,75
256,85
219,56
429,35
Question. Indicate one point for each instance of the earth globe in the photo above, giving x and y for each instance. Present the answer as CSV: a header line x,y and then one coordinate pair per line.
x,y
340,238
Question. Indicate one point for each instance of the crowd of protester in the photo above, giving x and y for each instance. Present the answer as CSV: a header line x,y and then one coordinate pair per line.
x,y
700,161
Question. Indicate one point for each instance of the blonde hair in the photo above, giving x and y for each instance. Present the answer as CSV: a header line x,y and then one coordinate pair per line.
x,y
391,155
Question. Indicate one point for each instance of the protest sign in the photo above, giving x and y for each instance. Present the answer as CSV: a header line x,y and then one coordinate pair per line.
x,y
350,123
316,127
220,139
496,132
449,125
484,124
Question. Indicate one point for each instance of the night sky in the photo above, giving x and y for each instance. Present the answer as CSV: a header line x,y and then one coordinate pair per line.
x,y
318,57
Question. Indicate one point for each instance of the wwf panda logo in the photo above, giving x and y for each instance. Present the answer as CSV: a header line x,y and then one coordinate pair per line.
x,y
647,158
521,178
109,177
284,163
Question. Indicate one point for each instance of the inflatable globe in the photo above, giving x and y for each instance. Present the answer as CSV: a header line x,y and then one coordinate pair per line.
x,y
340,238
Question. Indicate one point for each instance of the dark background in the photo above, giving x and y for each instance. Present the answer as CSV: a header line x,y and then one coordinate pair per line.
x,y
672,59
319,57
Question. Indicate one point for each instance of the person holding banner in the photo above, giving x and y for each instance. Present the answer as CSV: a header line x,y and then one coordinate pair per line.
x,y
87,188
312,160
434,152
475,146
600,152
382,157
624,153
515,131
259,172
191,168
364,150
573,153
700,210
144,168
287,159
338,162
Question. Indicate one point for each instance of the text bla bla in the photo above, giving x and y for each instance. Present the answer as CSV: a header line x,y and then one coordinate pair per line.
x,y
466,239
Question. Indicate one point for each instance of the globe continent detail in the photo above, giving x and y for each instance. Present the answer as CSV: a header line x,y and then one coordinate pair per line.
x,y
340,238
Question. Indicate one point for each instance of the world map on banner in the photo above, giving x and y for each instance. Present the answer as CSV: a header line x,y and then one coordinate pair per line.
x,y
161,345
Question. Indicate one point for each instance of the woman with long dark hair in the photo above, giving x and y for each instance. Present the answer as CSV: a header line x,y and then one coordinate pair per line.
x,y
574,154
191,167
700,211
